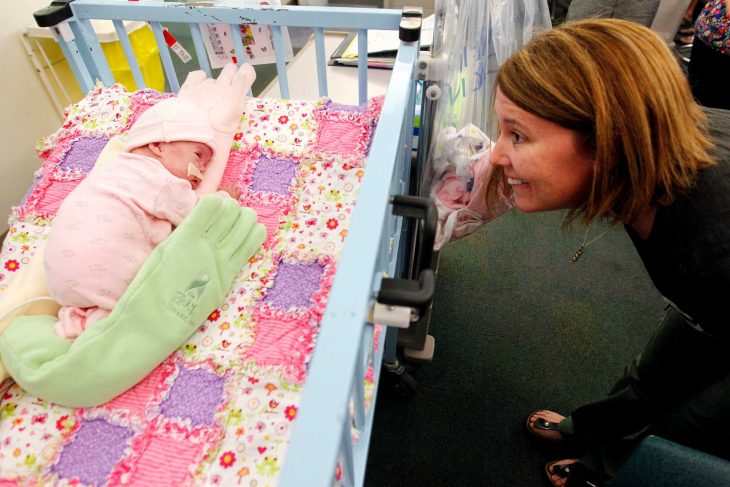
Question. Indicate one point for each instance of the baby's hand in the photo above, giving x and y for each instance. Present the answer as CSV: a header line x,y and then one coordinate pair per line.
x,y
232,190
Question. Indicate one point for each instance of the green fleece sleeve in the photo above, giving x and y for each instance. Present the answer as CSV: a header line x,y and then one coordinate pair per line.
x,y
185,278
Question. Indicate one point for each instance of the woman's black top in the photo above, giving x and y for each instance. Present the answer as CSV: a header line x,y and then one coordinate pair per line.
x,y
687,253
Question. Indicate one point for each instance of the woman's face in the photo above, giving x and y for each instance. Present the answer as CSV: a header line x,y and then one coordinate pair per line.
x,y
544,164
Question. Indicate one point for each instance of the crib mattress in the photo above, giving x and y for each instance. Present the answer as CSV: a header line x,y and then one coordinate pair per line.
x,y
219,410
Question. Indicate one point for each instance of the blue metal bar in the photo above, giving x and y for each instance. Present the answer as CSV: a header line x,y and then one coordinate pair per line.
x,y
165,56
280,61
347,463
360,449
200,48
159,11
238,44
129,53
326,393
358,392
97,55
321,61
362,66
73,56
83,49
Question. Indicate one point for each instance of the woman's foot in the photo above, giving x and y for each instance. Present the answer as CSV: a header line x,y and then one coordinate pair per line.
x,y
544,425
572,472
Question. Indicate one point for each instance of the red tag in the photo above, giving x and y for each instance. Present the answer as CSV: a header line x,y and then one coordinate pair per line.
x,y
169,39
176,47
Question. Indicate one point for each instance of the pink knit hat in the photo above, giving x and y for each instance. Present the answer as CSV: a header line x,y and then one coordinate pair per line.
x,y
171,120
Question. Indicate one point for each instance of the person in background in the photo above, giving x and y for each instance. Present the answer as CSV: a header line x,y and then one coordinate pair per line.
x,y
709,65
686,33
583,128
641,11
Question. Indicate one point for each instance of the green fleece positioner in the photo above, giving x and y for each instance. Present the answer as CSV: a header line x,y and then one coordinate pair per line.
x,y
184,279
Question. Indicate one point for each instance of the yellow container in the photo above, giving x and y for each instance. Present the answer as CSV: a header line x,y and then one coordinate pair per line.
x,y
148,56
58,77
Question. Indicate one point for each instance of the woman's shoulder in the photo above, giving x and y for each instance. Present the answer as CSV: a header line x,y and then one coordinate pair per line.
x,y
709,197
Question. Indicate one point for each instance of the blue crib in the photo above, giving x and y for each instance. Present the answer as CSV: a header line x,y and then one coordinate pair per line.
x,y
332,400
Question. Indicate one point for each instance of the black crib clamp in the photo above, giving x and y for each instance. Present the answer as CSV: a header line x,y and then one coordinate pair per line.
x,y
407,292
410,24
54,14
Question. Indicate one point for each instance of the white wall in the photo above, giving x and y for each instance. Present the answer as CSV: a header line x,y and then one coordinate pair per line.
x,y
27,111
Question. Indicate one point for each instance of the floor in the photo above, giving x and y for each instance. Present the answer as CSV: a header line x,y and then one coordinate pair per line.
x,y
517,327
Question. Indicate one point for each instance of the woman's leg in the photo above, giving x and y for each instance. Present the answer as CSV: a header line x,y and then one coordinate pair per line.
x,y
678,361
701,421
677,364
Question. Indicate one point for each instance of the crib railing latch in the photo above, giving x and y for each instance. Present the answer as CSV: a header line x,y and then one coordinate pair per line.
x,y
410,24
54,14
401,301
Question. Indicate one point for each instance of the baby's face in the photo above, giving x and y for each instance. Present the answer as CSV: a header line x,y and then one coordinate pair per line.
x,y
176,156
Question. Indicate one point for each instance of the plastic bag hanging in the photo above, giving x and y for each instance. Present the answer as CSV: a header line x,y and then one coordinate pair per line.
x,y
481,36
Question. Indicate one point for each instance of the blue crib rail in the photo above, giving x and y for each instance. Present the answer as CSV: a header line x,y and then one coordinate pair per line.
x,y
332,397
370,252
83,51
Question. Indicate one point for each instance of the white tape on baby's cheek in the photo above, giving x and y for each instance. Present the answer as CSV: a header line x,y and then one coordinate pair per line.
x,y
194,171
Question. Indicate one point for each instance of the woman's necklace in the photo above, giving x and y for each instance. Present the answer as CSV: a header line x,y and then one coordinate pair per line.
x,y
585,244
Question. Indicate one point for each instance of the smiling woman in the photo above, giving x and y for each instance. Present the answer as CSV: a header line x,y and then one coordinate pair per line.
x,y
546,166
597,117
624,97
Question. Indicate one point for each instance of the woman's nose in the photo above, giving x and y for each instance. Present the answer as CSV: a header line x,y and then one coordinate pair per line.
x,y
498,157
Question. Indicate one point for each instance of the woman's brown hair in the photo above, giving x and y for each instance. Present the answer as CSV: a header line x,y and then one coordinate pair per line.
x,y
618,86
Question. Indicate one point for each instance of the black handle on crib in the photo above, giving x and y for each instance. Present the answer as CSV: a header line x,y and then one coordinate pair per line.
x,y
411,19
408,292
419,208
54,14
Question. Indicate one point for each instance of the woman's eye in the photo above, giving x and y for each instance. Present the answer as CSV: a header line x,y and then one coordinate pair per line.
x,y
517,137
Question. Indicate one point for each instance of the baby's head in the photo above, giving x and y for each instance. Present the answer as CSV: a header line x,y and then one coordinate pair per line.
x,y
177,134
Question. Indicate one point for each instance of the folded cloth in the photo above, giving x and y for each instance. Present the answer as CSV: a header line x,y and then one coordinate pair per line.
x,y
27,294
185,278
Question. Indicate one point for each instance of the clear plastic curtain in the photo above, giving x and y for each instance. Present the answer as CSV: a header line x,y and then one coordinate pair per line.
x,y
478,36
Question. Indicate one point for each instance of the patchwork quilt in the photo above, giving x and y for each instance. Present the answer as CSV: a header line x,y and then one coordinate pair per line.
x,y
219,410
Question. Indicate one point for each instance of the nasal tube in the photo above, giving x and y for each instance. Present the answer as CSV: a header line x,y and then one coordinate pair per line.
x,y
194,172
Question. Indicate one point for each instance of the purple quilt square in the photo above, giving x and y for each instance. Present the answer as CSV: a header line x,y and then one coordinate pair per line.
x,y
346,108
93,452
195,395
83,154
273,175
294,285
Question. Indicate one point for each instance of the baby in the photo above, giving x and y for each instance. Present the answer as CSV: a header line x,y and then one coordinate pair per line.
x,y
106,228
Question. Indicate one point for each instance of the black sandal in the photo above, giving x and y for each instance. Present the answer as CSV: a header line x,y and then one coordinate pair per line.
x,y
575,474
542,424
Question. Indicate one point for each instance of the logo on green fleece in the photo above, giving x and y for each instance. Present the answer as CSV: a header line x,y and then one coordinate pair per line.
x,y
184,302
